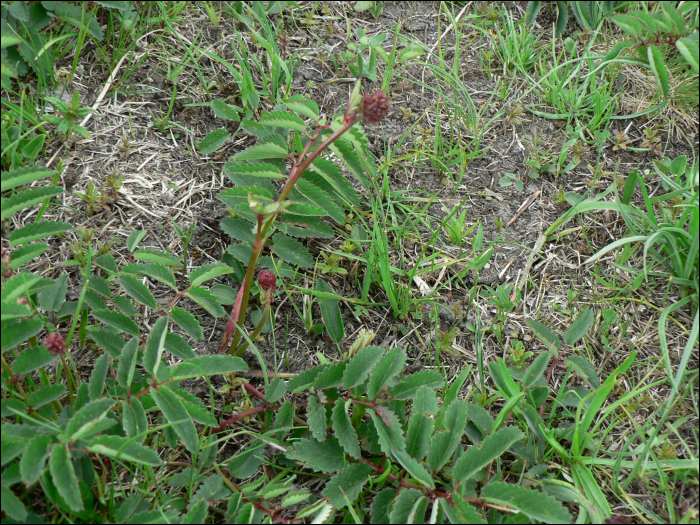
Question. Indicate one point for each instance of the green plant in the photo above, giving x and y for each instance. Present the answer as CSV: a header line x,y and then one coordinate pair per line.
x,y
539,155
504,299
467,122
374,7
355,60
313,188
277,73
668,230
211,13
383,273
518,47
83,251
329,266
26,43
589,15
92,197
70,112
163,121
98,199
586,100
499,223
458,228
667,26
307,317
510,179
609,320
672,242
371,427
517,353
446,330
48,419
20,146
185,236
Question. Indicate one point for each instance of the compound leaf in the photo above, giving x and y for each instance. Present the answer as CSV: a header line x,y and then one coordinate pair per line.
x,y
330,312
388,429
361,365
344,487
536,369
584,368
404,504
206,300
118,447
176,414
414,468
656,62
87,420
187,322
475,458
27,198
420,429
291,251
535,505
316,416
388,367
253,169
14,178
343,429
155,345
34,458
379,510
208,365
38,230
579,326
209,271
281,119
408,386
159,272
117,320
64,478
689,49
327,456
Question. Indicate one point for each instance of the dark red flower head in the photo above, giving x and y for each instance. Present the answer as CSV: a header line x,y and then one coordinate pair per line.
x,y
268,281
375,107
55,344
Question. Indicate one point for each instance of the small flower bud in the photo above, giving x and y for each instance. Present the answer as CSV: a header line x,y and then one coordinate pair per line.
x,y
55,344
267,281
268,287
375,107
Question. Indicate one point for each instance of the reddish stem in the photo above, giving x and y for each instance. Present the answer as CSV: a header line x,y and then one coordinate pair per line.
x,y
298,170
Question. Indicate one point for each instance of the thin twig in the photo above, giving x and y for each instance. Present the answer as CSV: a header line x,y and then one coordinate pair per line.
x,y
525,205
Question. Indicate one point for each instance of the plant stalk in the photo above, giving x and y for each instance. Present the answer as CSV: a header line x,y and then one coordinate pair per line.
x,y
264,224
256,332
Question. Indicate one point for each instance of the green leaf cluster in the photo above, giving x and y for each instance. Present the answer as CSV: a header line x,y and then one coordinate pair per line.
x,y
589,15
652,32
25,45
370,425
321,192
49,427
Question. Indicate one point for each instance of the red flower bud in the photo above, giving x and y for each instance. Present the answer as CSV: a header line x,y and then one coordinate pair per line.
x,y
267,281
55,344
375,107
